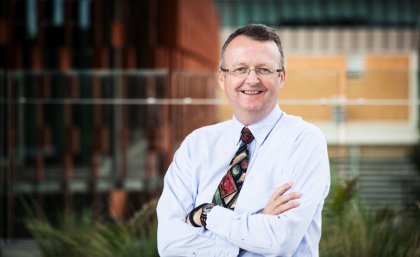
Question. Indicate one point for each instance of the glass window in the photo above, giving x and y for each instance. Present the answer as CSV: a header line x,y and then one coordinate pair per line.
x,y
31,18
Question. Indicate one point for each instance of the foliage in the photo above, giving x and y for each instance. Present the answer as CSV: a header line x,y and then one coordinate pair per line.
x,y
351,230
83,237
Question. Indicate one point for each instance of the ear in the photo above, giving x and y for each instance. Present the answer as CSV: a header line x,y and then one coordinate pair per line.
x,y
221,80
282,78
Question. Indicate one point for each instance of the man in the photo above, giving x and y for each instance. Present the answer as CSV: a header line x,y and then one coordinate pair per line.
x,y
228,191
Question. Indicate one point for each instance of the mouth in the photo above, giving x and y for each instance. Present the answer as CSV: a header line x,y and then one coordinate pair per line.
x,y
251,92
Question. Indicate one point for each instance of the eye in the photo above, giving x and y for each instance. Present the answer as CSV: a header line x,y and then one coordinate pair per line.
x,y
240,70
264,71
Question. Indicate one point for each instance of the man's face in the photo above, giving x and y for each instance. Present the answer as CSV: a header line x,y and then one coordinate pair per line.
x,y
251,94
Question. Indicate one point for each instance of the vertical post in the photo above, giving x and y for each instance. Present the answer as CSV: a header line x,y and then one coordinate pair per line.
x,y
9,160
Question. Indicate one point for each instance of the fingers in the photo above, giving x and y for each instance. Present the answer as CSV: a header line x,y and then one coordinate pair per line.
x,y
286,206
287,198
280,191
281,202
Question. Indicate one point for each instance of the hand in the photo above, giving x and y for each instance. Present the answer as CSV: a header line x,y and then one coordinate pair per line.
x,y
281,202
196,217
196,213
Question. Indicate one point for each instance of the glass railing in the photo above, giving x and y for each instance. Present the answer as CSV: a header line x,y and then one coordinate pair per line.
x,y
104,139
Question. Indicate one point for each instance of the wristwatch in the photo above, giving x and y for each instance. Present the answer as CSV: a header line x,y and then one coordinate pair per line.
x,y
204,211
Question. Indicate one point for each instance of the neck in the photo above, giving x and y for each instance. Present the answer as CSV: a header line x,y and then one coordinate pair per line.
x,y
249,118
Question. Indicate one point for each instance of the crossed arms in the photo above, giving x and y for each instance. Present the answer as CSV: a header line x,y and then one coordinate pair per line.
x,y
277,229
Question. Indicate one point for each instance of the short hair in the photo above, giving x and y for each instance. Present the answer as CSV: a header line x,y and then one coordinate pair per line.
x,y
259,32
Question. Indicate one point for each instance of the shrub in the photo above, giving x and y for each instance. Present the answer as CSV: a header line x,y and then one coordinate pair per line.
x,y
81,236
351,230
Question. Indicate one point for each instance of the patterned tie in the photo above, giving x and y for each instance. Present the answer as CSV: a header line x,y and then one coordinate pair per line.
x,y
228,190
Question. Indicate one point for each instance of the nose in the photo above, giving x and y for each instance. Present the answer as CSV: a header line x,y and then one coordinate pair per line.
x,y
252,77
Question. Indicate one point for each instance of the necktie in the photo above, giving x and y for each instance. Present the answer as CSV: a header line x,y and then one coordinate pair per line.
x,y
228,190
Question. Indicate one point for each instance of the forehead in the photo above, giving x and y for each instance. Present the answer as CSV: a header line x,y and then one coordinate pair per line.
x,y
243,49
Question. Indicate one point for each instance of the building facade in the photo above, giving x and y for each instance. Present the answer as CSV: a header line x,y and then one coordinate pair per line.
x,y
96,98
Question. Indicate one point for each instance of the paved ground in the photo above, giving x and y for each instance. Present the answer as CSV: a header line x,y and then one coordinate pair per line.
x,y
21,248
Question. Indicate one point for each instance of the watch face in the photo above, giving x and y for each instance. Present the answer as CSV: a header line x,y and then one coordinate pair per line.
x,y
207,208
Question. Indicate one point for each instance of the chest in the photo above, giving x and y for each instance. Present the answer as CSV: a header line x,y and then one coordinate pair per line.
x,y
266,171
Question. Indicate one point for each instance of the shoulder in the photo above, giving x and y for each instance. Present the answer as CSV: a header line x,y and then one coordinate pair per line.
x,y
296,127
218,128
208,133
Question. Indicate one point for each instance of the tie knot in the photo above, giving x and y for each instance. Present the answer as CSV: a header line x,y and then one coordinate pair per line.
x,y
246,135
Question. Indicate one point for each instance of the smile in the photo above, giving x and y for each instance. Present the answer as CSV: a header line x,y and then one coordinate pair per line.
x,y
251,92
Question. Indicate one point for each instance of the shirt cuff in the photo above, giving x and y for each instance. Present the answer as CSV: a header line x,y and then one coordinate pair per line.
x,y
219,220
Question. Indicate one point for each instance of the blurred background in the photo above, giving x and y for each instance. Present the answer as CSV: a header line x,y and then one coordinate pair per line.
x,y
96,95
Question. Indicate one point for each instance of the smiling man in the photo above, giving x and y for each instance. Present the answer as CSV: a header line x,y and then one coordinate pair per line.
x,y
254,185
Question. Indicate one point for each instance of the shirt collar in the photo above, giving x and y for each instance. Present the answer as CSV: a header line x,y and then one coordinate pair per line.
x,y
261,129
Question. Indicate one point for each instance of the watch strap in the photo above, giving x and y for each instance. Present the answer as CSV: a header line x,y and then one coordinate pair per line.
x,y
191,215
203,217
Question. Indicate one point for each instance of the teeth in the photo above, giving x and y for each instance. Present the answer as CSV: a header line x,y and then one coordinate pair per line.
x,y
250,92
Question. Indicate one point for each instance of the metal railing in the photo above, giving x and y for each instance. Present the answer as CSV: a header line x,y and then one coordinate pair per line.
x,y
84,135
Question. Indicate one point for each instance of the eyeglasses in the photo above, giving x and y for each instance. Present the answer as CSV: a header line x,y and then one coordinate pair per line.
x,y
242,72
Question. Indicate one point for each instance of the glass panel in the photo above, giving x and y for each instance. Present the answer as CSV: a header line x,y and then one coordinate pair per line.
x,y
58,12
335,13
77,138
31,18
84,14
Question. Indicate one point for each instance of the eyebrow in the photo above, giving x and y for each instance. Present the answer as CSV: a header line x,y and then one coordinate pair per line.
x,y
241,63
246,64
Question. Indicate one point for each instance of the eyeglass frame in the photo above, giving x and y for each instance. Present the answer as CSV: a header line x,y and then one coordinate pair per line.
x,y
249,71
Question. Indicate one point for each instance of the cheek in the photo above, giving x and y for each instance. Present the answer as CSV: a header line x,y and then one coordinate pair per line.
x,y
231,86
278,86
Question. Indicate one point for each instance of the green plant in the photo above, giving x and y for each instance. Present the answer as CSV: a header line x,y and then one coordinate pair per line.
x,y
351,230
82,236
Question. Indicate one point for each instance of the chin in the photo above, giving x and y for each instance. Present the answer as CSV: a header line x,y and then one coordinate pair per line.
x,y
258,110
253,110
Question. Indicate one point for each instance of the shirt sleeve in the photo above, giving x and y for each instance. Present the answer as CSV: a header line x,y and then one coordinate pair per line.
x,y
280,235
175,236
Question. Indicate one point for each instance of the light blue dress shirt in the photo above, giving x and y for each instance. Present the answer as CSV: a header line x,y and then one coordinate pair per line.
x,y
285,149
